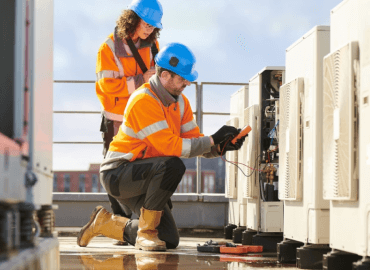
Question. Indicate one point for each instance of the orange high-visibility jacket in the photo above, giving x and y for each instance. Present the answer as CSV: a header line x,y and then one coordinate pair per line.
x,y
118,74
157,125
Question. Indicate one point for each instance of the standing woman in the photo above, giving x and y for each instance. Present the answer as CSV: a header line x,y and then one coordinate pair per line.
x,y
125,61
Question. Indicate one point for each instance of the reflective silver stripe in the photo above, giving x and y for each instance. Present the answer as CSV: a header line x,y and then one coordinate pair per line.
x,y
110,44
186,148
182,106
113,116
151,129
128,131
138,92
112,74
112,156
188,126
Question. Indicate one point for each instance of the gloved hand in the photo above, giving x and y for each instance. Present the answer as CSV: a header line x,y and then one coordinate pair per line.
x,y
224,133
228,146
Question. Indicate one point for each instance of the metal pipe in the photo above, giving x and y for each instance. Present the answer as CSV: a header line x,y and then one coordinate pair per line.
x,y
72,81
77,142
195,83
224,83
31,114
215,113
19,71
99,112
199,114
78,112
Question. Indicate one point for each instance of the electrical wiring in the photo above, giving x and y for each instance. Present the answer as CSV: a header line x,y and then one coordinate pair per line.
x,y
270,151
236,163
262,194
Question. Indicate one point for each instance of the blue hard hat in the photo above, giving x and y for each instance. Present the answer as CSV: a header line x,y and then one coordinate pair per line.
x,y
179,59
150,11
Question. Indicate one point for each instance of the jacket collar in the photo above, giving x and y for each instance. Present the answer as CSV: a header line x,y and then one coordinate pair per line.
x,y
166,98
120,48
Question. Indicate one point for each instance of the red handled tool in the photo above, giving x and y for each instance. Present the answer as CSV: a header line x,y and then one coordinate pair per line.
x,y
242,134
240,249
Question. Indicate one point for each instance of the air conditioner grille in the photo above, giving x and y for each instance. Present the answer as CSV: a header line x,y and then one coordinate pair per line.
x,y
250,147
231,169
290,140
247,188
340,125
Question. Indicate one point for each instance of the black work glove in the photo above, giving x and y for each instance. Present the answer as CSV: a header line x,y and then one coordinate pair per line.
x,y
224,133
228,146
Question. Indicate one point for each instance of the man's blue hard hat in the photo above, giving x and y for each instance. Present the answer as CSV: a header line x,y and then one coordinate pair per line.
x,y
179,59
150,11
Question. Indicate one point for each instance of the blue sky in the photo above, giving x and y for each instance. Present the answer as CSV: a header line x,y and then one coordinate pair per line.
x,y
232,41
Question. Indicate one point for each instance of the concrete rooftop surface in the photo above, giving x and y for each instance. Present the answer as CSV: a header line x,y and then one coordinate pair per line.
x,y
102,254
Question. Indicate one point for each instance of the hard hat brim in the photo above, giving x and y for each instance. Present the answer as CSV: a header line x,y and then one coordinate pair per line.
x,y
191,77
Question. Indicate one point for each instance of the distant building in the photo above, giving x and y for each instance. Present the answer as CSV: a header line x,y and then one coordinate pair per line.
x,y
188,182
78,181
211,183
213,178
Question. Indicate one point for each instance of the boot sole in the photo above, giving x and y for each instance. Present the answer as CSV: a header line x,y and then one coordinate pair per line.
x,y
150,248
92,217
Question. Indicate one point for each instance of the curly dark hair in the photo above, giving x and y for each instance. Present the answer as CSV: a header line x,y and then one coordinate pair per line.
x,y
127,24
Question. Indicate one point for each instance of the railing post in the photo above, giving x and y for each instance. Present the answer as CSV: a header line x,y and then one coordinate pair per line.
x,y
199,110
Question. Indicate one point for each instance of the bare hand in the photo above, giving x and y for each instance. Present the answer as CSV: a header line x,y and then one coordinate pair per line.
x,y
149,74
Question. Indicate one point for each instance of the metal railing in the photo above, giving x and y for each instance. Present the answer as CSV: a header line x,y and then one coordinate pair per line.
x,y
199,117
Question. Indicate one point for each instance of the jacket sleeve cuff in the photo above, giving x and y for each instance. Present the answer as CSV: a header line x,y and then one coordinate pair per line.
x,y
213,153
199,146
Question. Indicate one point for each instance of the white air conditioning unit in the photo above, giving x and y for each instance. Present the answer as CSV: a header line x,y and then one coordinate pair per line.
x,y
341,125
291,141
244,159
42,103
239,101
231,169
237,209
33,127
249,148
346,134
306,213
363,235
262,216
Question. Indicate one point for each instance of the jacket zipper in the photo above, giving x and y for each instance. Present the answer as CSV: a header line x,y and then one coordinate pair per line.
x,y
115,101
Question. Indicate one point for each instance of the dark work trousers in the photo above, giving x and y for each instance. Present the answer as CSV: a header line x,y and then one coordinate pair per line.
x,y
147,183
109,129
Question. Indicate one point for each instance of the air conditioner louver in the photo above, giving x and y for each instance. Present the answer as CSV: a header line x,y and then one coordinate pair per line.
x,y
340,127
231,169
291,141
250,147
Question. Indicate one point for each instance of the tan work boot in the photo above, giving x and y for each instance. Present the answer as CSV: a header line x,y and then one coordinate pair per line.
x,y
147,234
102,222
